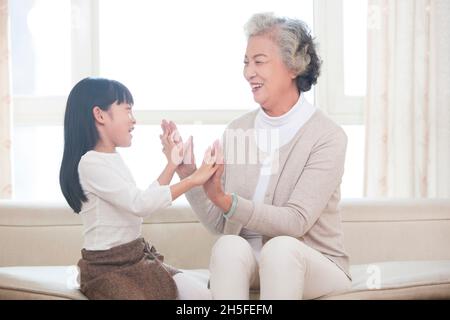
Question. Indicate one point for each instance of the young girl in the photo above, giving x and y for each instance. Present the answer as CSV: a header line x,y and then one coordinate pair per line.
x,y
117,263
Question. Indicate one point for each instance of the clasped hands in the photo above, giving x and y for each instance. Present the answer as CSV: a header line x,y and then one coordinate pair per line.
x,y
180,155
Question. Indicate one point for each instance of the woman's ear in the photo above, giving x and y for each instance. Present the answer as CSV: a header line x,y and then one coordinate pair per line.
x,y
99,117
293,75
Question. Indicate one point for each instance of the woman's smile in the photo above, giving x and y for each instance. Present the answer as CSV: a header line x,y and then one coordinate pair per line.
x,y
256,86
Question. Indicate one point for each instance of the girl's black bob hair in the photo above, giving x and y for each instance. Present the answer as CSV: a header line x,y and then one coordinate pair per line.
x,y
80,131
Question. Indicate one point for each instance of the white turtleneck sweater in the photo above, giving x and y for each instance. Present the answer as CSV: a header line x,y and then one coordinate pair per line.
x,y
272,133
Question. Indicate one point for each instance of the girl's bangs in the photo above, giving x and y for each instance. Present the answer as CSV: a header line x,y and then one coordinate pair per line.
x,y
120,93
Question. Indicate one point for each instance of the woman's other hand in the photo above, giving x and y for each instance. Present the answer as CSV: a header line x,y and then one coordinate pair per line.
x,y
213,187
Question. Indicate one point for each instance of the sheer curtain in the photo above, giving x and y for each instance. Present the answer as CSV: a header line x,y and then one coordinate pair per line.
x,y
5,106
408,99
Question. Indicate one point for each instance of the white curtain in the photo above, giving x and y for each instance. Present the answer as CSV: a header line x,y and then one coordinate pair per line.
x,y
5,106
408,99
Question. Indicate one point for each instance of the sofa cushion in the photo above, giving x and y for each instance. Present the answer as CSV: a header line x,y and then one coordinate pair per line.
x,y
39,283
51,283
387,280
401,280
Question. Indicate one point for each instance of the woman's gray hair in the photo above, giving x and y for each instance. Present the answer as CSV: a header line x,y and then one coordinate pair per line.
x,y
296,44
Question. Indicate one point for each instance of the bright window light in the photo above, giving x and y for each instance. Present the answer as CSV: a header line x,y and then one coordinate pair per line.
x,y
41,47
183,54
355,47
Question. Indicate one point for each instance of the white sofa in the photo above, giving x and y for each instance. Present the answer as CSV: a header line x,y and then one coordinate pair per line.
x,y
399,249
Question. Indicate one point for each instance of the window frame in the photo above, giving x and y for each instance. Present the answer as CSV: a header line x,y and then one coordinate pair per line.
x,y
329,91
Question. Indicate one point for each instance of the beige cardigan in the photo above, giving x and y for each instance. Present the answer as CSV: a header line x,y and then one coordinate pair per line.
x,y
302,198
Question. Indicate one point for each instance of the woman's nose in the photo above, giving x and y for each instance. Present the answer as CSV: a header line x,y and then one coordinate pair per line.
x,y
249,72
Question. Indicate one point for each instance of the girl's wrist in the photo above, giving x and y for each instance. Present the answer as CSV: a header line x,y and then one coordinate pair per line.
x,y
190,182
185,171
172,167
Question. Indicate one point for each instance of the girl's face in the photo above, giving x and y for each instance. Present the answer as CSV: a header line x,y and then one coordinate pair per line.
x,y
119,122
269,78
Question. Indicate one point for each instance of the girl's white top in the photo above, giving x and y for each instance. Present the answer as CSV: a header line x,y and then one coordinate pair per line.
x,y
115,208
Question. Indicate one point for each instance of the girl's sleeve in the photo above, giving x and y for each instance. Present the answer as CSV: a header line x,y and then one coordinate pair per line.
x,y
111,186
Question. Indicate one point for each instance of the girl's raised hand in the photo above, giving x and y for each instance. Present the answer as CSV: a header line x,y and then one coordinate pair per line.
x,y
172,145
187,166
207,169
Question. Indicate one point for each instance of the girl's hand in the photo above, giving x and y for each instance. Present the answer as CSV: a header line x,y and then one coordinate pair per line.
x,y
187,166
207,169
172,145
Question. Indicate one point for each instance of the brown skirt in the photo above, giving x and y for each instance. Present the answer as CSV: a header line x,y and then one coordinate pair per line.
x,y
132,271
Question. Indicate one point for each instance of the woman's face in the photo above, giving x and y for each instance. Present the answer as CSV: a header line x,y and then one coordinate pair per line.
x,y
269,78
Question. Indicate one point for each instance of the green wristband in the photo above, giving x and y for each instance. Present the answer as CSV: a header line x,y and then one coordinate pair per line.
x,y
230,212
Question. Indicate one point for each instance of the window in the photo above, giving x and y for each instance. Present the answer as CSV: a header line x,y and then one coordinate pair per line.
x,y
138,42
341,29
342,32
186,50
38,157
355,48
41,53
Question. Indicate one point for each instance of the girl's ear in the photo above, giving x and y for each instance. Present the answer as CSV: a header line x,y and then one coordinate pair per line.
x,y
99,117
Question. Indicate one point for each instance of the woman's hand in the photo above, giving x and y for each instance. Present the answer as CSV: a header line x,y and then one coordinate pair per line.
x,y
187,165
207,169
213,187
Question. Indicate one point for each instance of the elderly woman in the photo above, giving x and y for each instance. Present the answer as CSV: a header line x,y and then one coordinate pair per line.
x,y
276,197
